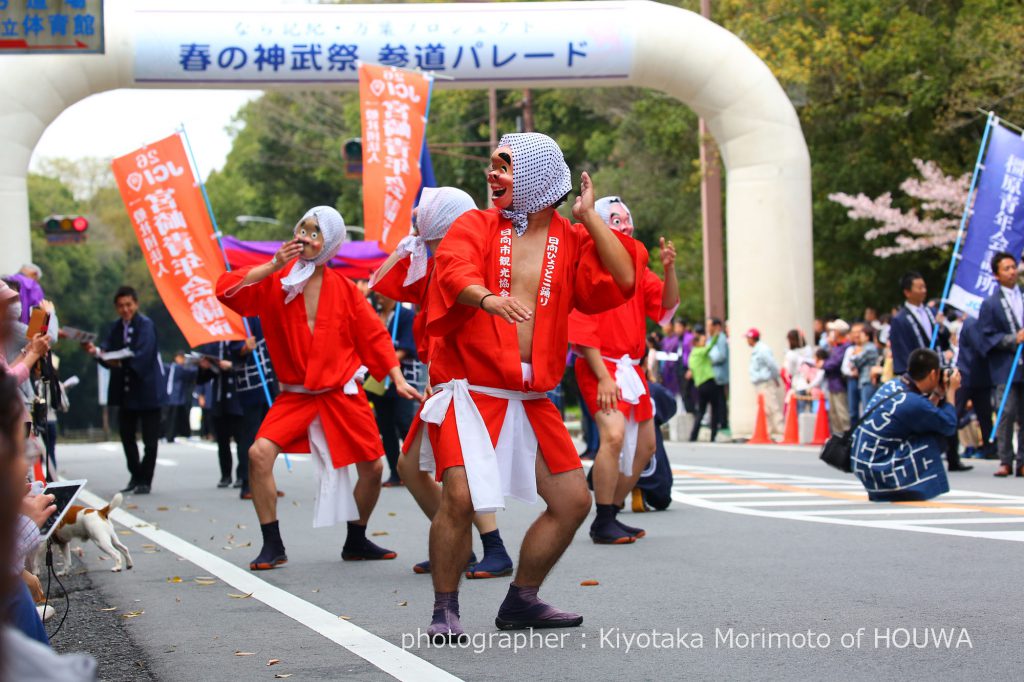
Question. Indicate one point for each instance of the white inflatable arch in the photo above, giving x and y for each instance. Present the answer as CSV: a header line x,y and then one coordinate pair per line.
x,y
505,45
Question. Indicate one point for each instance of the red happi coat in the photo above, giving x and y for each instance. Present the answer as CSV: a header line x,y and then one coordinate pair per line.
x,y
346,334
392,285
484,349
617,332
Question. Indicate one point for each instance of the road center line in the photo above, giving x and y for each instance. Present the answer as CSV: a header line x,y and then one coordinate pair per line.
x,y
393,660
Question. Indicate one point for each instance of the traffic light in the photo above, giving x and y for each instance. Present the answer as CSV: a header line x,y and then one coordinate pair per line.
x,y
64,229
56,224
352,151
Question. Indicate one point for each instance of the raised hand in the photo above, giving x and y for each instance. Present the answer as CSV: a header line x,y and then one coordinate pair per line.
x,y
585,201
289,250
668,253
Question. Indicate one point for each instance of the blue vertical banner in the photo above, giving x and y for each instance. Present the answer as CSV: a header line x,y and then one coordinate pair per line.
x,y
996,222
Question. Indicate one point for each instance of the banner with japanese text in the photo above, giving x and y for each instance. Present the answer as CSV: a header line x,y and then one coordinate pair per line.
x,y
996,222
393,105
176,235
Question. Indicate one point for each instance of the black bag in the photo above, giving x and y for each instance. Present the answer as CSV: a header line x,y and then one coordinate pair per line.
x,y
838,450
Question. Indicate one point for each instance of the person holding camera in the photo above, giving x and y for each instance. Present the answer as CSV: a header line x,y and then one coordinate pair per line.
x,y
898,448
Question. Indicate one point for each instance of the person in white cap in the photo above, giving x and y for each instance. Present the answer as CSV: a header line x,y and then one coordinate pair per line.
x,y
404,277
504,283
322,336
610,346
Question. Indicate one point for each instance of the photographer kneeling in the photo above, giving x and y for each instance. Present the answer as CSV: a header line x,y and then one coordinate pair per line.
x,y
898,449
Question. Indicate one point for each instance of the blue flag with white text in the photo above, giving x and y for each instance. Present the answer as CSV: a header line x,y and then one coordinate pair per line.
x,y
996,223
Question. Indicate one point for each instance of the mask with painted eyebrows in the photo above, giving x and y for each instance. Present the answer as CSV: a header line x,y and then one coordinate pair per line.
x,y
540,176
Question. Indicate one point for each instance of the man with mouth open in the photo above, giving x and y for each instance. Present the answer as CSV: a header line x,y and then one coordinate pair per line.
x,y
322,335
505,282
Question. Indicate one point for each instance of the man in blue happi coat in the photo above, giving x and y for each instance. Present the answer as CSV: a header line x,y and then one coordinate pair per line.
x,y
898,448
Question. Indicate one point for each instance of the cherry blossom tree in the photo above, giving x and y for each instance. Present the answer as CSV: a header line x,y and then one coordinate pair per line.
x,y
932,224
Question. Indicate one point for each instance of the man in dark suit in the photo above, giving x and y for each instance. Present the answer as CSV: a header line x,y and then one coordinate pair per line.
x,y
975,384
180,382
217,366
912,328
1001,320
137,386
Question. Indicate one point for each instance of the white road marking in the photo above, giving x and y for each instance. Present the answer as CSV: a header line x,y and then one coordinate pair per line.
x,y
393,660
748,499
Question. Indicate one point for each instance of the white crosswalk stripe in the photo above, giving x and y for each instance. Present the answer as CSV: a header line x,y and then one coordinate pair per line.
x,y
828,500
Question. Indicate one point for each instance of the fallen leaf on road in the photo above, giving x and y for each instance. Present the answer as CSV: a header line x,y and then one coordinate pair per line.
x,y
125,532
204,580
149,546
109,608
240,526
295,502
227,547
162,508
589,583
378,533
132,614
131,506
345,617
273,661
248,544
175,579
239,596
316,589
392,514
244,653
403,603
282,676
103,558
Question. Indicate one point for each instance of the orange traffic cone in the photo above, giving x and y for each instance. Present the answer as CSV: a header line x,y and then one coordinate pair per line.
x,y
792,435
760,436
821,429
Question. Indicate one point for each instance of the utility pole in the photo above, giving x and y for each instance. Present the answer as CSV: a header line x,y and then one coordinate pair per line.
x,y
711,213
527,111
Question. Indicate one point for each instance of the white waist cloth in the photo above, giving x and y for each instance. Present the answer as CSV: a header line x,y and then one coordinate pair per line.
x,y
627,379
335,502
494,472
631,388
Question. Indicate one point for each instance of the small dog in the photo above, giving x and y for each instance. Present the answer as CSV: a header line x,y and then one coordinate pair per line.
x,y
86,523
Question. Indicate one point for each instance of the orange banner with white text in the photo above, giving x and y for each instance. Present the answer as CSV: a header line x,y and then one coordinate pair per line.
x,y
176,235
393,105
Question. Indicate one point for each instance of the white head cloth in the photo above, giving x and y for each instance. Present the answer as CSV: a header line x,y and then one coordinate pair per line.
x,y
603,206
437,210
332,229
540,176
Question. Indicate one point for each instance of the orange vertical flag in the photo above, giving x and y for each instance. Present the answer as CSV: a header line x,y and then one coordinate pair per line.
x,y
176,235
393,105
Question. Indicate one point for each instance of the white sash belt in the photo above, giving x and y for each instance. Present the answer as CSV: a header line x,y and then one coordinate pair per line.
x,y
627,379
493,472
350,387
335,501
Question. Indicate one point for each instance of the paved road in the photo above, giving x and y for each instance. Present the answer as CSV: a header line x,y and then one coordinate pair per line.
x,y
768,565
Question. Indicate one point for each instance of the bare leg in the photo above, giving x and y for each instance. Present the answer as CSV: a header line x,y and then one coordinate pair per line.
x,y
421,484
611,428
486,522
367,489
262,455
450,546
645,446
450,538
568,505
